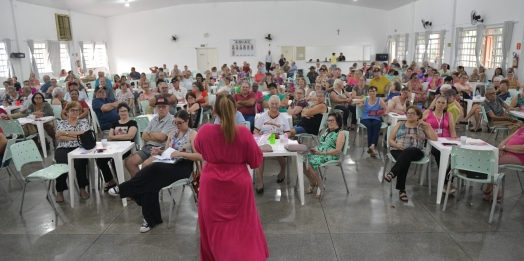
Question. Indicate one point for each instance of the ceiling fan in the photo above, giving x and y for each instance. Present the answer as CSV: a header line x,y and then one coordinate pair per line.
x,y
174,38
268,37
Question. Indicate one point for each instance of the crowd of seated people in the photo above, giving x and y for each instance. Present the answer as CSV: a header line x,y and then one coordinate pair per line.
x,y
306,104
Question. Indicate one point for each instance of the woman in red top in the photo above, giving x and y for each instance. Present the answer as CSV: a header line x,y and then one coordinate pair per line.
x,y
201,95
229,223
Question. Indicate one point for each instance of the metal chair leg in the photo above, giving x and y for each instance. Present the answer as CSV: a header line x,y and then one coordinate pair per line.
x,y
6,191
385,167
518,176
171,204
344,177
428,174
23,196
494,203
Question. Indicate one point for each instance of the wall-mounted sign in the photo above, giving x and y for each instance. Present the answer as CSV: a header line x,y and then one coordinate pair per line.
x,y
242,47
518,46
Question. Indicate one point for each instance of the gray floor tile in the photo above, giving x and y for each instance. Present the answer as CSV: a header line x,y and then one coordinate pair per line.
x,y
300,247
491,245
409,246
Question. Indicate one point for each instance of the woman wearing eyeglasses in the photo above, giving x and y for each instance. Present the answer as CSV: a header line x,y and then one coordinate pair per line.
x,y
66,133
39,107
407,142
153,176
121,130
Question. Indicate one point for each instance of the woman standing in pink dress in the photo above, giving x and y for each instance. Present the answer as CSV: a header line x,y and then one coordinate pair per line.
x,y
230,227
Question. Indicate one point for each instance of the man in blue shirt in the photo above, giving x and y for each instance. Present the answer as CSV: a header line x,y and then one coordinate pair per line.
x,y
105,108
46,85
292,70
134,75
82,96
109,85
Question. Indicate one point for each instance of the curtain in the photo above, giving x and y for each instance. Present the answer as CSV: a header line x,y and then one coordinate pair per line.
x,y
507,33
416,47
388,44
478,44
34,68
53,52
397,56
441,47
427,34
458,37
10,67
82,54
107,58
406,45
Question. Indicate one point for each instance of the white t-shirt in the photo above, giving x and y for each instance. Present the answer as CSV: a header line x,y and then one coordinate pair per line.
x,y
266,124
224,88
180,93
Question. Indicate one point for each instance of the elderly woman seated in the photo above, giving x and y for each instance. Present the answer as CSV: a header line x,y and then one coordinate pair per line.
x,y
153,176
58,97
371,117
311,117
407,141
331,144
275,122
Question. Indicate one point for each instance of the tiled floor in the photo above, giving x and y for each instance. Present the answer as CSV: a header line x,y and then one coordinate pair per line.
x,y
366,224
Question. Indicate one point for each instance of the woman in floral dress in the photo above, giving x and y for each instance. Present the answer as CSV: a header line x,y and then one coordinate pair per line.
x,y
331,144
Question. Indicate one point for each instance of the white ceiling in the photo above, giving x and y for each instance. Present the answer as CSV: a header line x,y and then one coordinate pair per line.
x,y
108,8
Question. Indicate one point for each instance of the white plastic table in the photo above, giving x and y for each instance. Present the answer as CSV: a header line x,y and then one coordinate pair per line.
x,y
39,122
114,150
296,161
518,114
395,117
10,109
445,152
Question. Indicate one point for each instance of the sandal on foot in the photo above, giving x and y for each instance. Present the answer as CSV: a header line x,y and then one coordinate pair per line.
x,y
311,188
389,177
320,192
84,195
260,190
280,180
403,196
59,198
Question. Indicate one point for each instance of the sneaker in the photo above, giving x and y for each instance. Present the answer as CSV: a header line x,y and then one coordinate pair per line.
x,y
145,227
144,222
114,191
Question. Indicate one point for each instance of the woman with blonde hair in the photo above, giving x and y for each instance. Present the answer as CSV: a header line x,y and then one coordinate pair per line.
x,y
226,204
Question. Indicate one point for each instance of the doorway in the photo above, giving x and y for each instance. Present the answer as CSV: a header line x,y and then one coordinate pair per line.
x,y
207,58
289,53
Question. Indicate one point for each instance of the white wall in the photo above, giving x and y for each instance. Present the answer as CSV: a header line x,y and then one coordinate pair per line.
x,y
144,39
38,23
440,14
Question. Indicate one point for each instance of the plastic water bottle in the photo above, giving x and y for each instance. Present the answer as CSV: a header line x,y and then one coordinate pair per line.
x,y
284,138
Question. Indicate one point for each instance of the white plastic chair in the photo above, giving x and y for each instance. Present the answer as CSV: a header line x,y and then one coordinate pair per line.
x,y
337,163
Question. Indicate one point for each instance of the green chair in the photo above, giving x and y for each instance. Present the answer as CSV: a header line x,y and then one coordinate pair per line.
x,y
6,160
144,107
337,163
142,123
424,160
26,152
57,110
359,112
13,127
465,160
493,128
517,169
202,116
180,183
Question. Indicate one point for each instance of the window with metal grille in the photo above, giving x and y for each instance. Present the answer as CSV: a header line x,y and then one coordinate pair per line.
x,y
466,50
3,61
420,46
434,48
64,57
401,48
100,55
88,55
63,27
39,55
491,51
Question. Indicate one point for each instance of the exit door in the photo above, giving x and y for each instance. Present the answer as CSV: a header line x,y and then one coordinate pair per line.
x,y
207,58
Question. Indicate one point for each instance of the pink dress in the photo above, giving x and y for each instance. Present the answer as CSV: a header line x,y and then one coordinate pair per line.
x,y
517,139
230,227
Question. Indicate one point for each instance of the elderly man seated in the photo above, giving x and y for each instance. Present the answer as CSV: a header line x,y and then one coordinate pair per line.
x,y
25,101
155,135
46,85
496,110
164,93
89,78
245,102
108,84
186,82
11,97
82,96
104,82
273,90
105,108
